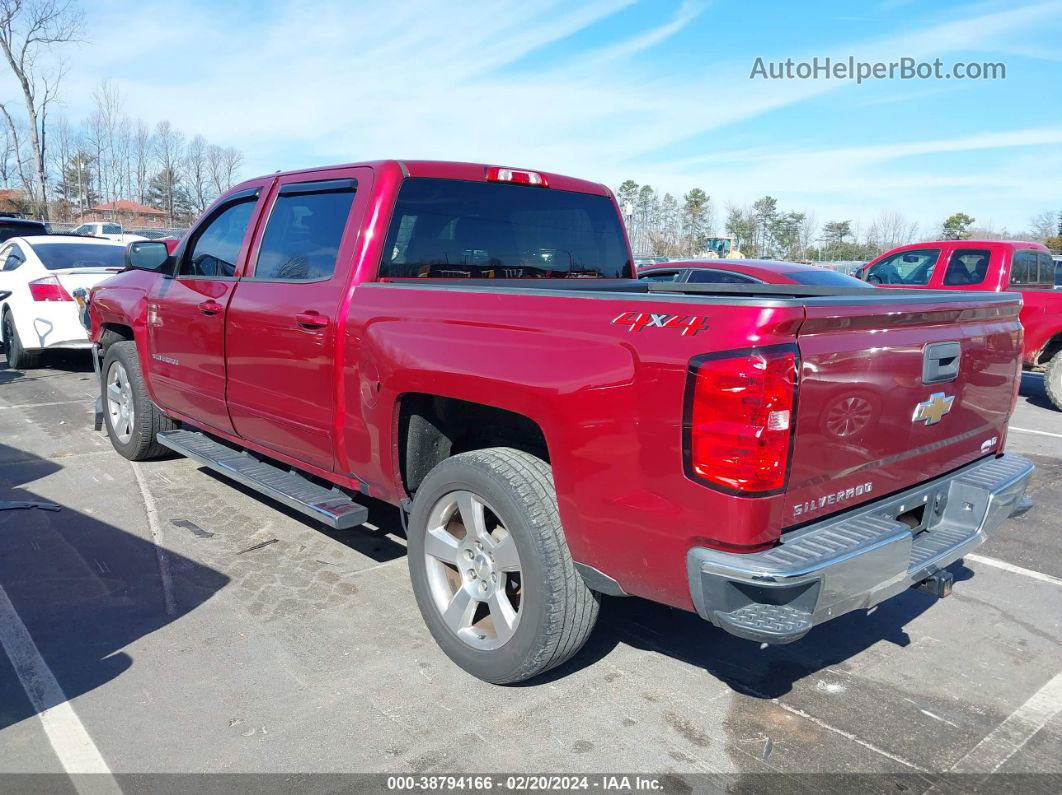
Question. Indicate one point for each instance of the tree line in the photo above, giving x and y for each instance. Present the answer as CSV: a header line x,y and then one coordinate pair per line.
x,y
62,168
664,226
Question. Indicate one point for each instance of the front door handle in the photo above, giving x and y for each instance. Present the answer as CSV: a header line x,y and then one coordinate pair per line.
x,y
210,307
311,319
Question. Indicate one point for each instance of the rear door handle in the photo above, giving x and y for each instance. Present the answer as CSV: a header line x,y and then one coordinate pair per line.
x,y
210,307
311,319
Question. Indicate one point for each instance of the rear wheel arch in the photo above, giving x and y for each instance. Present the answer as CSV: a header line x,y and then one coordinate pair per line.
x,y
1050,349
432,428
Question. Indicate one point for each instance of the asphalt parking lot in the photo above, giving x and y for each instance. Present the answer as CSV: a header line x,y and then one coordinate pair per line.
x,y
165,621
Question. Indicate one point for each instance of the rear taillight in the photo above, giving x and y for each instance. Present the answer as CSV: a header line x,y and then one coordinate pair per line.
x,y
48,289
740,420
516,176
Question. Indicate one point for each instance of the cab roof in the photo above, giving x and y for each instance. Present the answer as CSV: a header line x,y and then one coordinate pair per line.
x,y
446,169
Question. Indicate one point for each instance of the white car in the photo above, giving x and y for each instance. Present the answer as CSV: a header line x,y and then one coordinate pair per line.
x,y
38,277
109,230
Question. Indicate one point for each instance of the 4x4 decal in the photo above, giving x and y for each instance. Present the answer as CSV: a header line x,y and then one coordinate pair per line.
x,y
690,324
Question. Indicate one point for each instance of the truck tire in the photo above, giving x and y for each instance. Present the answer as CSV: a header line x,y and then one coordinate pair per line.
x,y
18,358
1053,380
131,418
504,602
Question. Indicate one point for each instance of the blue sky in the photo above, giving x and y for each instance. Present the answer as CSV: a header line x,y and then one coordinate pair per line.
x,y
657,91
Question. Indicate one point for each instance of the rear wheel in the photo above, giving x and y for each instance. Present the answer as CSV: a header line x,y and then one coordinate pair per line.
x,y
18,358
1053,380
490,569
132,419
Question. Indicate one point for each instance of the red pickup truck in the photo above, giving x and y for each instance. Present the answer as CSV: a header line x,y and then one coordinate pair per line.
x,y
988,266
468,343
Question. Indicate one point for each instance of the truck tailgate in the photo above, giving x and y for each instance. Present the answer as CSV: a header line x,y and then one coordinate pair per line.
x,y
883,403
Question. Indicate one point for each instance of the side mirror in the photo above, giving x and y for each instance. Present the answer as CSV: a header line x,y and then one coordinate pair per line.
x,y
147,255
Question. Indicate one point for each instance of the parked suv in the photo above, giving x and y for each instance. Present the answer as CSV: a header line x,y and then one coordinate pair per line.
x,y
468,342
988,266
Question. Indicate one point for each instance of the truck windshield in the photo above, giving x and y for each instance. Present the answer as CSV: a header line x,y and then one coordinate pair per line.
x,y
456,229
58,256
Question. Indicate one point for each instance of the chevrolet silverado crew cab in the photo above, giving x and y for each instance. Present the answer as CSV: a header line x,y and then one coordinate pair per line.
x,y
469,343
988,266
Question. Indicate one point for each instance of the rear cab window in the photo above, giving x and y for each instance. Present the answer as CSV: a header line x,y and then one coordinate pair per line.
x,y
1031,269
454,229
912,268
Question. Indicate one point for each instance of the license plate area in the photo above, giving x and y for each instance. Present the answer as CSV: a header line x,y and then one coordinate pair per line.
x,y
920,511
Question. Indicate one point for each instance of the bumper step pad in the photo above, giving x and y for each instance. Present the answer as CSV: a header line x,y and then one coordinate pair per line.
x,y
756,621
330,506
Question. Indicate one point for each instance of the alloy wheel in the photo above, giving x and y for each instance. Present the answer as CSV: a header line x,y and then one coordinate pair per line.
x,y
473,569
120,402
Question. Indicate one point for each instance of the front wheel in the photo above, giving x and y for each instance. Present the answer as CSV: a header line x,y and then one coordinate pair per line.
x,y
1053,380
490,568
132,419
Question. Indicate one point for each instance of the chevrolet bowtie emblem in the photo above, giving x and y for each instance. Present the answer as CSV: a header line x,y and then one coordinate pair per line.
x,y
933,410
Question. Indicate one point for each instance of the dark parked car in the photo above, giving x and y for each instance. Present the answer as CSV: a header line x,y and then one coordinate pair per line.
x,y
746,271
20,227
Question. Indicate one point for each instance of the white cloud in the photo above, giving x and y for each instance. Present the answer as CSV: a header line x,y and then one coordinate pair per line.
x,y
308,83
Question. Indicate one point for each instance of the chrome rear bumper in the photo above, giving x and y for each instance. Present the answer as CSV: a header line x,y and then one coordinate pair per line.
x,y
859,558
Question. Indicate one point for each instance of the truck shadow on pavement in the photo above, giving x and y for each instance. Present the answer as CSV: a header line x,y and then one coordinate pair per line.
x,y
64,362
84,590
742,665
1033,391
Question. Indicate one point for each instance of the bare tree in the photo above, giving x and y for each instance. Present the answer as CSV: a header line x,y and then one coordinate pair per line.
x,y
224,163
196,167
142,148
28,29
105,122
889,230
8,151
169,149
1043,225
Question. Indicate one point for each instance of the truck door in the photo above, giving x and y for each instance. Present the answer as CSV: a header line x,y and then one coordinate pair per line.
x,y
186,313
284,316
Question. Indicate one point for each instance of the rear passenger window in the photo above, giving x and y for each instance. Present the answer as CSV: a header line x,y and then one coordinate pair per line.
x,y
1032,269
1047,270
914,268
967,266
302,238
661,276
217,245
13,257
708,276
112,229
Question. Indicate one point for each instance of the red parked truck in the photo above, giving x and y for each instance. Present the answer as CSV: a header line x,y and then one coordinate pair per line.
x,y
468,342
988,266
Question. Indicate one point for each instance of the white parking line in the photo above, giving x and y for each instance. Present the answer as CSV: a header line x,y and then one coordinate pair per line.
x,y
43,405
1038,433
67,735
1002,564
156,537
1011,735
